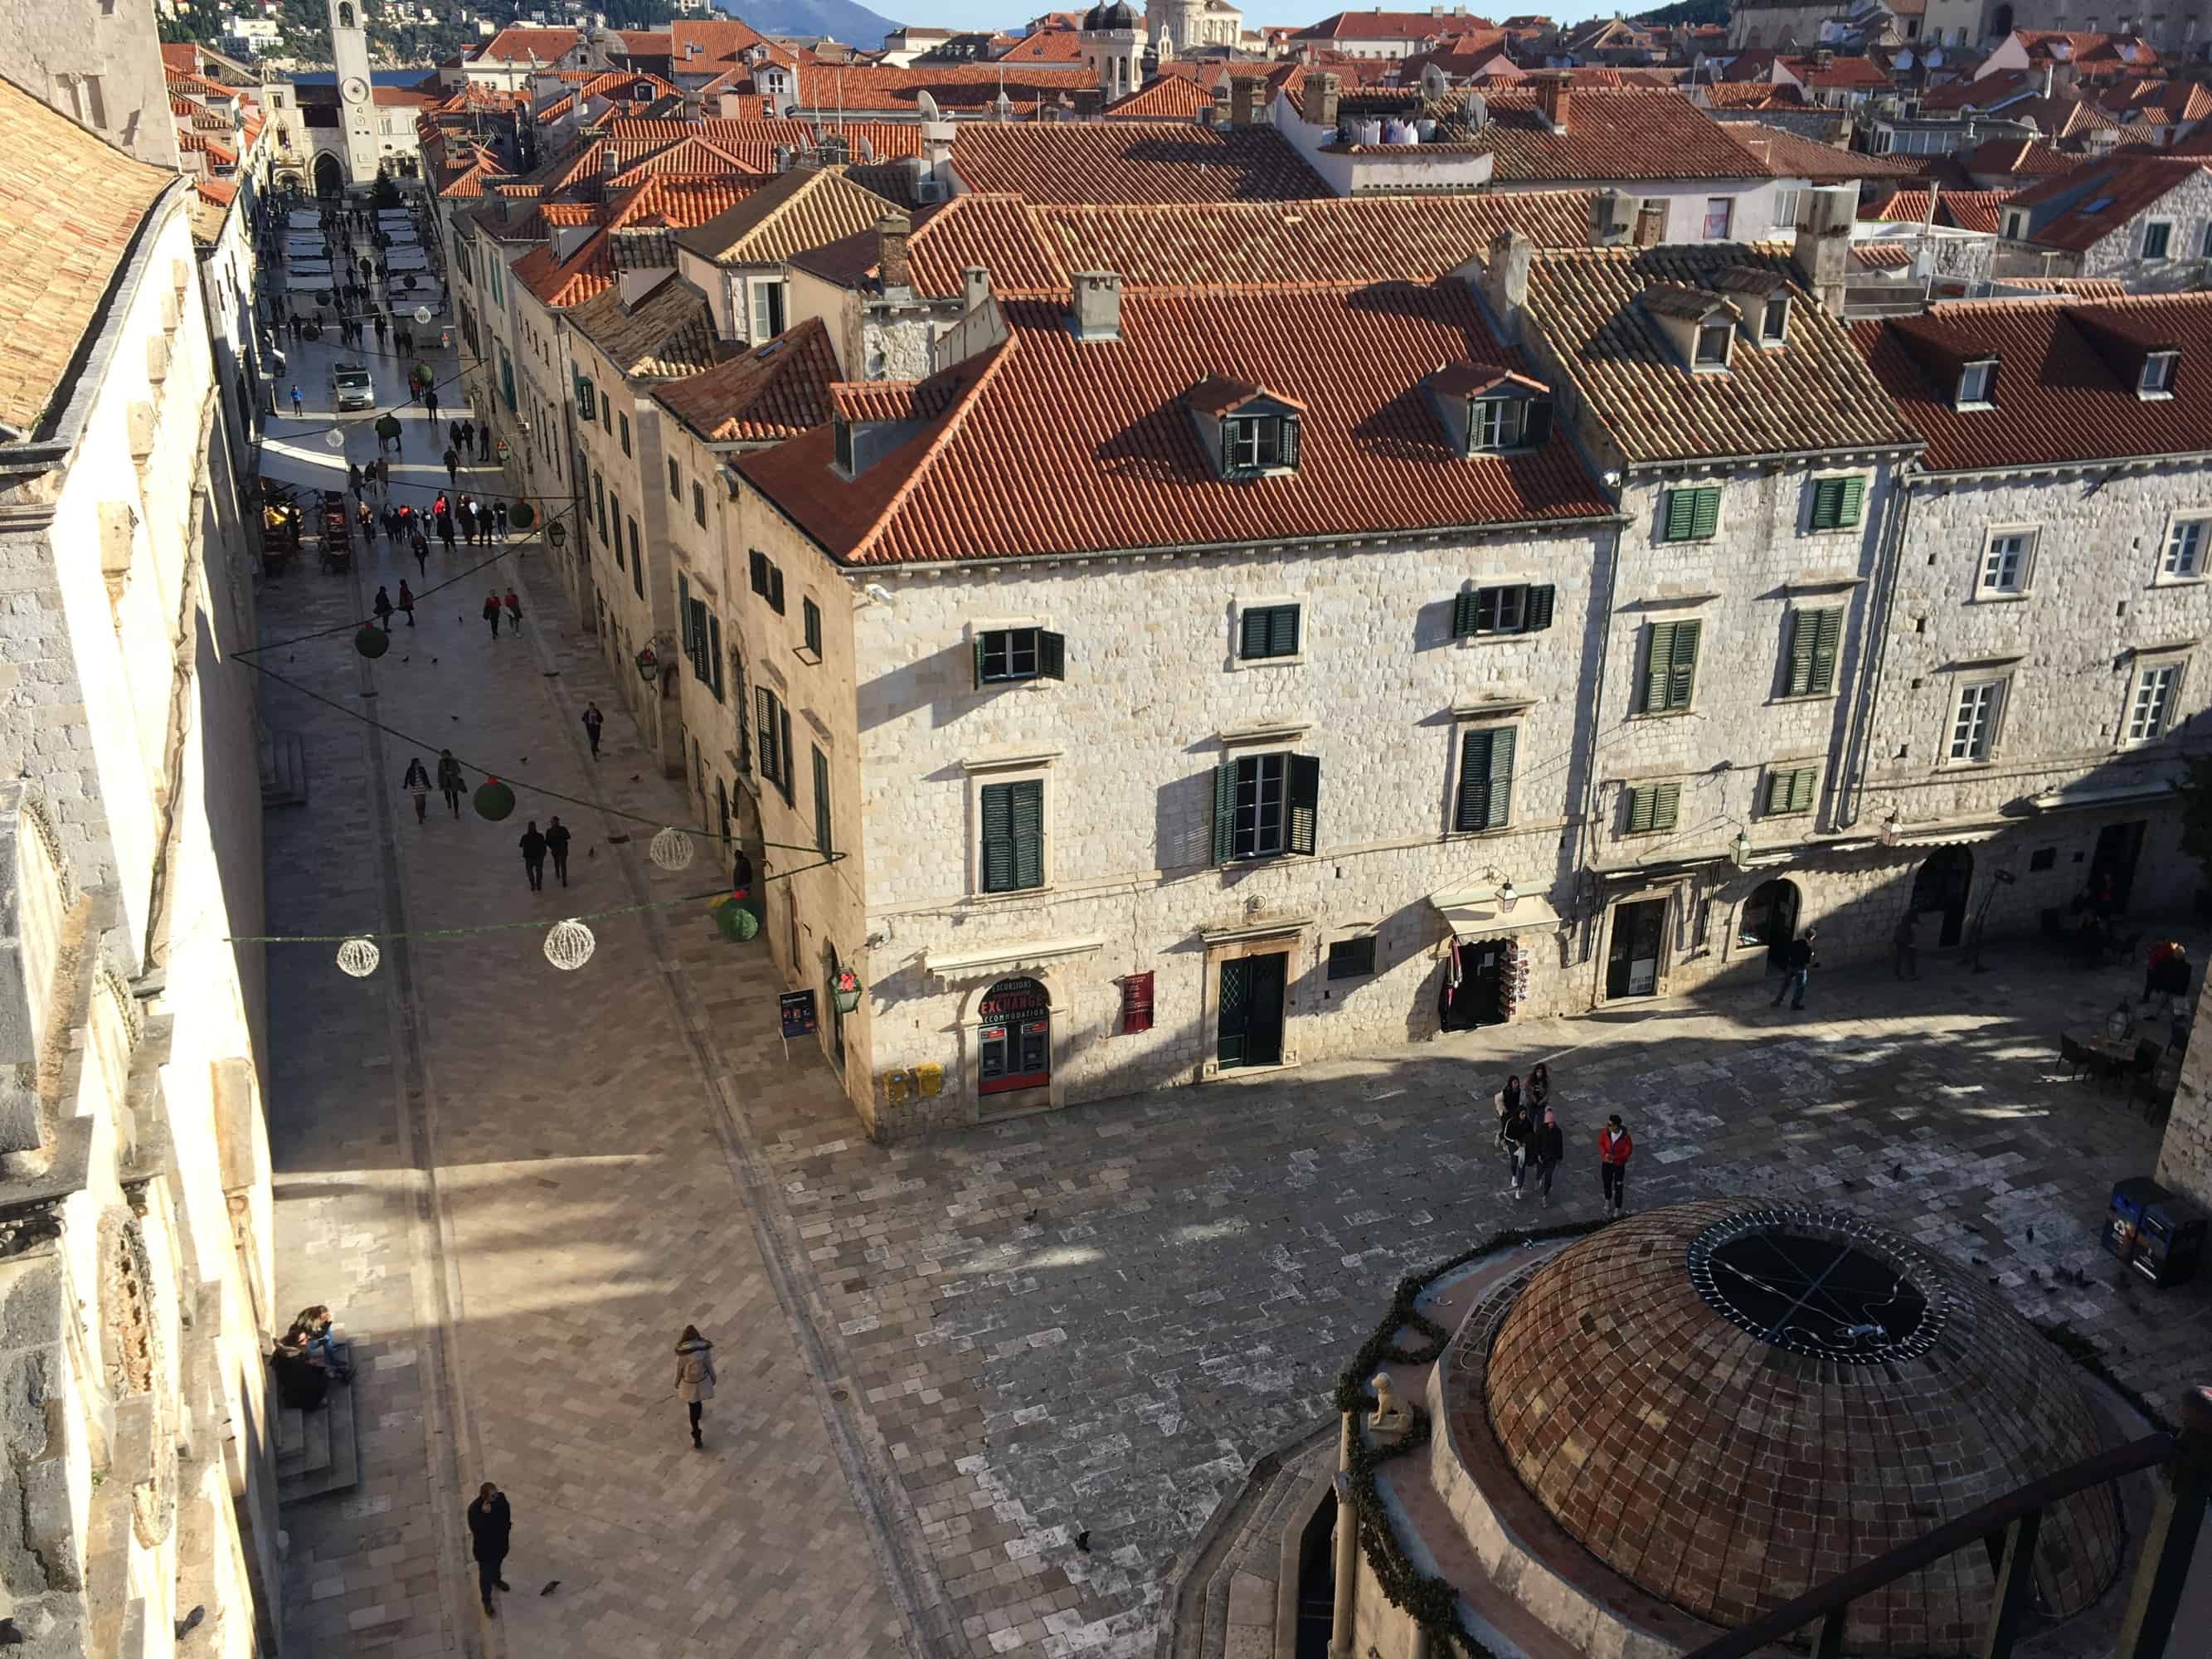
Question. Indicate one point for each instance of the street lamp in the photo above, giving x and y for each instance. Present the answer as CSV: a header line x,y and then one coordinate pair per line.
x,y
648,665
557,533
1739,850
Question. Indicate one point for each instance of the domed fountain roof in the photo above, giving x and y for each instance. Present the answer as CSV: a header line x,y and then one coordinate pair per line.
x,y
1728,1404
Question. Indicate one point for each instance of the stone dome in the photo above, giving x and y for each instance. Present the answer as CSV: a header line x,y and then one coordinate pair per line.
x,y
1111,16
1728,1402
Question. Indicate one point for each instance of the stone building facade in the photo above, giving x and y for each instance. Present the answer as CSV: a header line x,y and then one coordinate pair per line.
x,y
99,65
135,1265
2145,220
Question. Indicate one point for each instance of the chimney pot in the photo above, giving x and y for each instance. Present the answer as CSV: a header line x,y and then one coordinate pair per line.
x,y
975,286
1248,95
1097,296
1318,98
1553,98
891,231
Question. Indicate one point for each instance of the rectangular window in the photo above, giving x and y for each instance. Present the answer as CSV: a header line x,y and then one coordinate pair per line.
x,y
775,740
2004,562
1013,835
1774,321
1259,443
600,509
1836,502
1653,807
1486,779
2156,379
675,481
2185,548
768,311
698,504
1670,667
2153,702
1005,654
713,649
586,405
1791,790
1785,209
1719,211
1267,630
1973,721
636,562
625,419
1494,422
1690,514
1713,341
1264,805
810,621
821,800
1352,958
1479,611
1977,385
767,580
2158,239
1813,638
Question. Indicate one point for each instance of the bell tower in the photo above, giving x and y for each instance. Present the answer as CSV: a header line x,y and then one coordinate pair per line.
x,y
357,95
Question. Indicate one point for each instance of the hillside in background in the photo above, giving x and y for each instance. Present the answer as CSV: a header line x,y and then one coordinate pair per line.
x,y
1687,11
842,20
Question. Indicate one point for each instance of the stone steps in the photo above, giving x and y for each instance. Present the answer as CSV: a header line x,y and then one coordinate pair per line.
x,y
319,1451
1228,1584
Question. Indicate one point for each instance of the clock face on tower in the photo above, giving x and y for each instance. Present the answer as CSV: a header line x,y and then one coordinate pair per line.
x,y
355,90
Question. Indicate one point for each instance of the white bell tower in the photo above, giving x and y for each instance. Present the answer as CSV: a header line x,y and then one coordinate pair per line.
x,y
356,97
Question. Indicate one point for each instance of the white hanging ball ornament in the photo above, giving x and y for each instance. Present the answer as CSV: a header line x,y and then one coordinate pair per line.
x,y
422,313
569,945
671,849
359,957
334,438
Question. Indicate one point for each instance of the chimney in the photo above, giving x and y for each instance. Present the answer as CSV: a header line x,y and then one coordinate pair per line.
x,y
1554,89
937,148
891,231
1097,305
1505,282
1089,103
1613,218
975,286
1247,100
1317,100
1823,250
1650,224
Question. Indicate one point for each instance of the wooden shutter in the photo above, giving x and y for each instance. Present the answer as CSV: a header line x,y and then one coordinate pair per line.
x,y
1473,811
997,837
1464,613
714,652
1804,630
1639,809
1536,423
1224,811
684,610
821,800
1052,655
1254,641
1029,832
1777,791
1536,614
1828,633
1682,666
774,586
1657,665
1283,631
1503,741
1681,514
1289,440
1705,515
742,704
1854,501
1801,788
1302,802
1827,502
979,661
1666,805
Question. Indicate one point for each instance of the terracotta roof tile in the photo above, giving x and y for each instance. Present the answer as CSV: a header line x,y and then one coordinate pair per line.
x,y
669,332
1393,25
2101,197
998,233
755,142
1166,98
799,211
774,391
1047,445
1792,156
1610,134
722,41
1814,393
954,86
1130,162
2065,387
521,45
1961,209
70,208
2021,157
558,284
1045,47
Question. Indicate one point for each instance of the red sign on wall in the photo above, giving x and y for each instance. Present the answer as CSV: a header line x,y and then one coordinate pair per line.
x,y
1136,1003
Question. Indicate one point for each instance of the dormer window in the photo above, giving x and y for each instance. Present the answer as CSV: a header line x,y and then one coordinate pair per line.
x,y
1250,432
2156,379
1774,322
1712,345
2016,226
1258,443
1486,410
1494,423
842,430
1978,383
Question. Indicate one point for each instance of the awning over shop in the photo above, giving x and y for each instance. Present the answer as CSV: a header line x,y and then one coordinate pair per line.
x,y
1475,913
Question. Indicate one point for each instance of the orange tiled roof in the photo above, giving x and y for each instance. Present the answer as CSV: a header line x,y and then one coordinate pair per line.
x,y
2066,379
1130,162
521,45
954,86
1000,233
2021,157
722,41
1045,47
2106,194
799,211
1790,156
1624,135
70,208
557,282
1881,256
1165,97
181,55
1750,94
777,390
1393,25
1961,209
691,156
1046,444
755,142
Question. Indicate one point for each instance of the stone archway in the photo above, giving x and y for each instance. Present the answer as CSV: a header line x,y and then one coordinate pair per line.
x,y
329,175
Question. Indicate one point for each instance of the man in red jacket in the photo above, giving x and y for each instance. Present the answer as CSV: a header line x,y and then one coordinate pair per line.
x,y
1614,1148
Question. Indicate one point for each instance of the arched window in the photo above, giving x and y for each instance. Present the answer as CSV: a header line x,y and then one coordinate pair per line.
x,y
345,15
1014,1048
1769,917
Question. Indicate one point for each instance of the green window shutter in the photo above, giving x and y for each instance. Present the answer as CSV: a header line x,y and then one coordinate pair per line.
x,y
1052,655
1804,631
1464,608
742,704
1801,788
1283,631
1224,811
1655,666
821,800
1473,811
978,662
684,608
1666,805
714,653
1680,514
1853,502
1029,832
783,735
1290,429
1303,803
1827,633
1705,517
997,837
1502,743
1777,791
1254,642
1639,809
1538,615
1827,503
1682,673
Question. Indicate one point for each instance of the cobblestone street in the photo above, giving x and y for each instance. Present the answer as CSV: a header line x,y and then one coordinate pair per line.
x,y
943,1365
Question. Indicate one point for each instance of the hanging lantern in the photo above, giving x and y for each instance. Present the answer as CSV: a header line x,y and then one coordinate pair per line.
x,y
569,945
359,957
648,665
845,990
671,849
371,641
495,801
1740,851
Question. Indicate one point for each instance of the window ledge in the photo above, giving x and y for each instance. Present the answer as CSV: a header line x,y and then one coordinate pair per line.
x,y
2178,582
1817,581
1803,696
984,900
1661,713
1467,641
1240,663
2164,647
1246,737
1007,760
2001,596
1486,833
1490,707
811,659
2004,660
1664,598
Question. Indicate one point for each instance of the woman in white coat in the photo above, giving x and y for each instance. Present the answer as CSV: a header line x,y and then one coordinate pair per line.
x,y
695,1374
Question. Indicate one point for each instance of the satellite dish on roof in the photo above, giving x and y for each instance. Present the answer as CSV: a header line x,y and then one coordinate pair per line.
x,y
1433,84
868,152
927,105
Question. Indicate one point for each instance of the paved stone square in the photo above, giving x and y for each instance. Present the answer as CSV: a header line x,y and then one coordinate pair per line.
x,y
978,1393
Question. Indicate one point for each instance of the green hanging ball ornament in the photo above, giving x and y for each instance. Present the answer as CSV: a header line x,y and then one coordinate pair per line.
x,y
735,921
495,801
371,641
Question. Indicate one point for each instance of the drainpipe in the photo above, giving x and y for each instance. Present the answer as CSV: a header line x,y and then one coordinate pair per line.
x,y
1586,809
1897,516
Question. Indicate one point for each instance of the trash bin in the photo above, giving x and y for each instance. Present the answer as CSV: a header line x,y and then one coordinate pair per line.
x,y
2123,1219
2169,1241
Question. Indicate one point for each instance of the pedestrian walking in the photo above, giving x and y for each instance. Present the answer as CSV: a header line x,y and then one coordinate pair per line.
x,y
695,1376
741,873
406,604
499,516
431,403
1520,1137
383,329
468,436
593,721
453,458
417,782
451,783
1507,1101
353,480
1905,941
445,532
383,609
556,843
466,513
513,613
533,857
1540,1087
365,519
1614,1149
299,403
491,1529
1550,1148
420,544
1797,960
454,433
484,442
491,613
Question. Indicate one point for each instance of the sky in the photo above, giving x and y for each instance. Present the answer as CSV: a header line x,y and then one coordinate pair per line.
x,y
996,14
